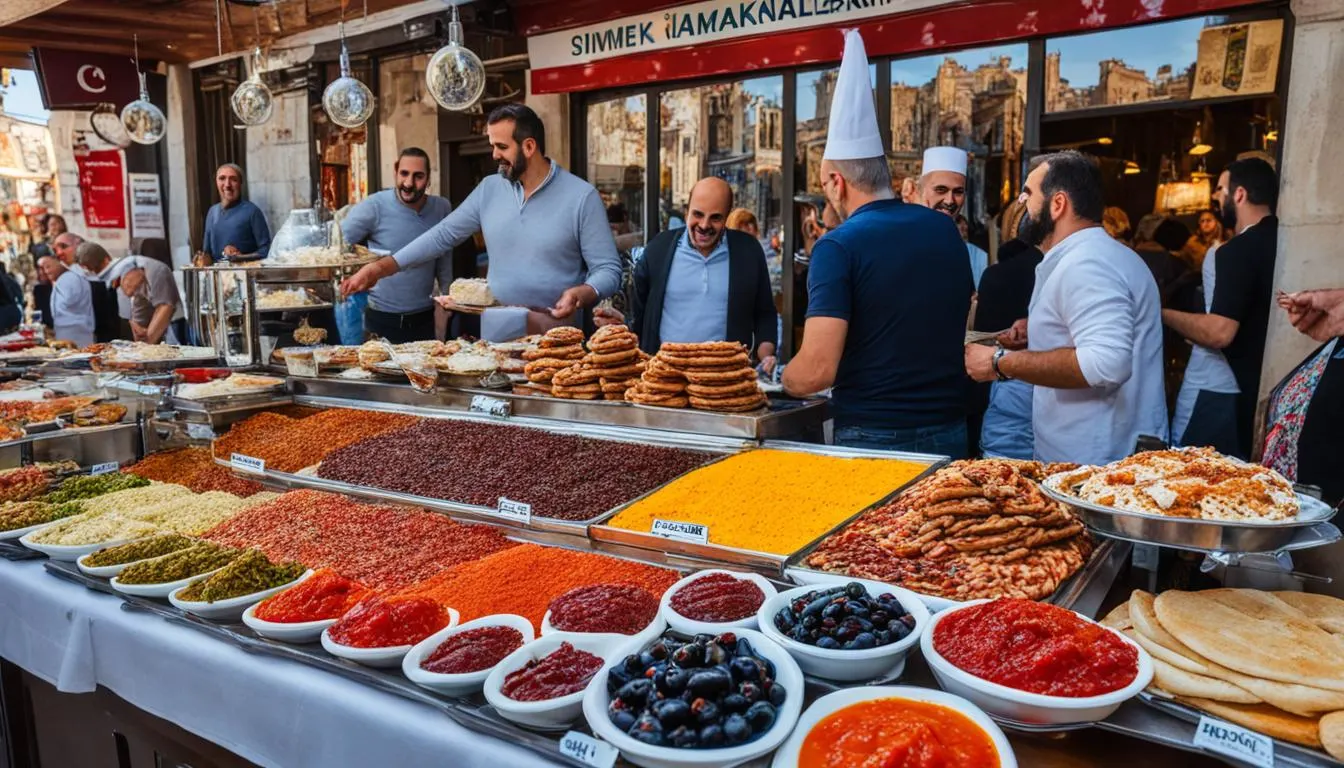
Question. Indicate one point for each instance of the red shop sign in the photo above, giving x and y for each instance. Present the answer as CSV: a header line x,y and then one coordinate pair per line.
x,y
102,184
73,79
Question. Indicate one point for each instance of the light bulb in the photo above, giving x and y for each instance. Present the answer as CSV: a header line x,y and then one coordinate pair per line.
x,y
455,75
144,122
348,102
252,101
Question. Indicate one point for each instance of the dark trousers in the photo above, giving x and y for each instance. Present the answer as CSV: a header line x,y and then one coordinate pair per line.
x,y
943,440
1213,422
399,328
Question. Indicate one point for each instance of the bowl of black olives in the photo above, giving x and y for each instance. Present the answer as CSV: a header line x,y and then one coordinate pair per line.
x,y
846,630
696,701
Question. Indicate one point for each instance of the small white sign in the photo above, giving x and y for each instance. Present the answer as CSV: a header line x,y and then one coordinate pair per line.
x,y
515,510
1234,741
104,468
248,464
588,750
491,406
695,533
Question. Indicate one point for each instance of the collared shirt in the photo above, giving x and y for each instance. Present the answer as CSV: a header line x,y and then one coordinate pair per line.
x,y
1097,296
72,308
695,306
158,288
386,224
241,225
539,247
979,262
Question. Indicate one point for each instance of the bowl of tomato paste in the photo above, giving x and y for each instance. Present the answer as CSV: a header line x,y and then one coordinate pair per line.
x,y
1034,662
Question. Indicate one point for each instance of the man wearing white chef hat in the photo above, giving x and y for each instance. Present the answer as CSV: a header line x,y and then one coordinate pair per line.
x,y
942,187
888,294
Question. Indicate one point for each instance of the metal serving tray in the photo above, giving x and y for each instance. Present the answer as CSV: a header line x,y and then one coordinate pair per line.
x,y
459,510
765,563
1202,535
787,418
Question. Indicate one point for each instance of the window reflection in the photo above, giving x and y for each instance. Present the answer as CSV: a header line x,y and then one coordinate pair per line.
x,y
616,156
1123,66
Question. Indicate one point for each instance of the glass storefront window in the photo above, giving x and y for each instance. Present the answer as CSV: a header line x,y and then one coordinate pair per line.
x,y
616,158
1123,66
407,116
974,100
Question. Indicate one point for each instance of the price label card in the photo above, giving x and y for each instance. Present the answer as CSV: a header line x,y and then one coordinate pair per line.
x,y
491,406
515,510
1234,741
104,468
671,529
588,750
247,464
200,432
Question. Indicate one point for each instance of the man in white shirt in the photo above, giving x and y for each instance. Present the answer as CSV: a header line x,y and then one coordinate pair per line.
x,y
71,302
1093,330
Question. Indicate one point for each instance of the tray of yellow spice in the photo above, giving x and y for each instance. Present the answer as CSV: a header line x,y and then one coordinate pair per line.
x,y
754,509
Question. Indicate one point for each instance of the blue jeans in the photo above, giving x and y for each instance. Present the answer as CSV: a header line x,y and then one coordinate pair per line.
x,y
942,440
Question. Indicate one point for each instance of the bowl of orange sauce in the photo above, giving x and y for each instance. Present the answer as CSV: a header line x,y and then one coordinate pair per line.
x,y
894,726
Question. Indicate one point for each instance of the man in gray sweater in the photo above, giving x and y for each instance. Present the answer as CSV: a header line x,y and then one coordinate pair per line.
x,y
545,229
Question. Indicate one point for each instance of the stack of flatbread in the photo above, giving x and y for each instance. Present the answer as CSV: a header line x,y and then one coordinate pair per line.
x,y
1270,661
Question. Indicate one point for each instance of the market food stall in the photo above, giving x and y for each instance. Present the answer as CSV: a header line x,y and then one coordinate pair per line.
x,y
587,587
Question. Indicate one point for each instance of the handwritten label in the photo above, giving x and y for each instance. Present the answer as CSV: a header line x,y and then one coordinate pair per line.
x,y
104,468
200,431
1234,741
588,750
247,464
515,510
671,529
491,406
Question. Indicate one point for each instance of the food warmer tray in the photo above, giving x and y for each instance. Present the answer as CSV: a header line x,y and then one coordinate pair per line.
x,y
787,417
764,563
1311,528
266,273
459,510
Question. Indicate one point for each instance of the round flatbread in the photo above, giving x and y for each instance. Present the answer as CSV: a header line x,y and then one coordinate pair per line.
x,y
700,376
613,343
1263,718
658,385
674,402
1118,618
557,387
712,348
567,334
724,389
1326,611
1179,682
705,361
613,358
731,405
630,371
571,395
1332,734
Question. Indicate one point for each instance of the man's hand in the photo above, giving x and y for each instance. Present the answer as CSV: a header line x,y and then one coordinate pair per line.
x,y
1318,314
980,362
443,301
1016,337
201,259
607,316
230,251
139,331
362,280
768,364
573,300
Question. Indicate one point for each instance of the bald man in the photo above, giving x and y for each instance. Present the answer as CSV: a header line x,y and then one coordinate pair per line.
x,y
703,282
71,302
233,226
64,247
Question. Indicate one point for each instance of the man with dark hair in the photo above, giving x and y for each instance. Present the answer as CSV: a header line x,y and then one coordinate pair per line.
x,y
97,265
1238,287
1093,332
546,230
888,295
233,226
401,308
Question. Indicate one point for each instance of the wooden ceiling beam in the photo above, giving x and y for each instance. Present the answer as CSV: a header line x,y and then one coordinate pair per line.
x,y
128,18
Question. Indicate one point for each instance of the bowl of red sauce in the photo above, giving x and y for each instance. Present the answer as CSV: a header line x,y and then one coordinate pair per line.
x,y
619,610
896,726
455,661
299,613
714,601
541,684
1034,662
379,632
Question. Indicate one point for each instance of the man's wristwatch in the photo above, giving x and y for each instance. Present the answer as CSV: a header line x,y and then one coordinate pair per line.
x,y
999,353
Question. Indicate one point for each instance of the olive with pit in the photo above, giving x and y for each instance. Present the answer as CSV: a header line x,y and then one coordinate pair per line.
x,y
709,683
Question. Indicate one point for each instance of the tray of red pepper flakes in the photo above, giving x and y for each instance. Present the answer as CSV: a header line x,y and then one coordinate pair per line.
x,y
324,595
563,671
523,580
382,547
389,622
288,444
473,650
620,608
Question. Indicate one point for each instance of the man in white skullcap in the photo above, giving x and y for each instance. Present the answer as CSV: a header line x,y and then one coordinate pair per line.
x,y
888,295
942,187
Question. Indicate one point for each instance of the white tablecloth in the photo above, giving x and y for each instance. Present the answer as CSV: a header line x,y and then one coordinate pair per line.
x,y
274,712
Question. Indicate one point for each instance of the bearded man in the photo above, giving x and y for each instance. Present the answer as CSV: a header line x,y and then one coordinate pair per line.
x,y
551,249
401,308
1093,333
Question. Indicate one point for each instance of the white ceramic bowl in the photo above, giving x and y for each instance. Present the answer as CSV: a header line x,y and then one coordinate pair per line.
x,y
159,591
233,608
67,554
552,714
1023,706
787,756
887,661
108,571
296,632
653,629
596,699
381,658
806,576
687,626
18,533
466,683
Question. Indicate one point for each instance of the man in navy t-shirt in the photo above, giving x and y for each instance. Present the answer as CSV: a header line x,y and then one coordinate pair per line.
x,y
888,296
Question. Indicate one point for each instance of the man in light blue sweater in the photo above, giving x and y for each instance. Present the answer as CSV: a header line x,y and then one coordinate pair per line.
x,y
550,246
